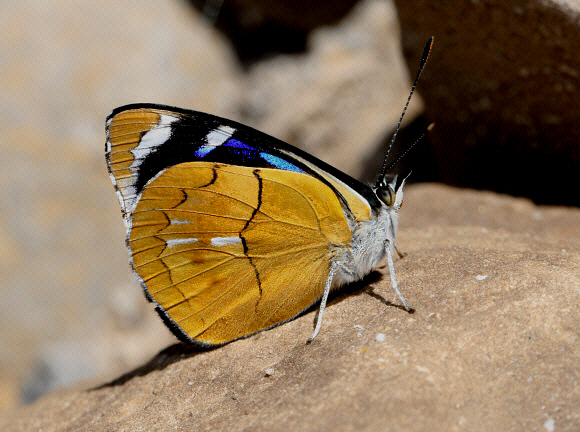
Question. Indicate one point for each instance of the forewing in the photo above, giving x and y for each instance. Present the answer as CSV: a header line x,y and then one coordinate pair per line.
x,y
144,139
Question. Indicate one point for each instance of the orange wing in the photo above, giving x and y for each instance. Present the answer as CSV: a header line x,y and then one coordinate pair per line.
x,y
227,251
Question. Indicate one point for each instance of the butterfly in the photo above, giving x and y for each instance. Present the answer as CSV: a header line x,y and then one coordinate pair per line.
x,y
231,231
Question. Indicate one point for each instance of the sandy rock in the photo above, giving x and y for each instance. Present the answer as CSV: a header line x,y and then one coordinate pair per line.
x,y
493,343
502,86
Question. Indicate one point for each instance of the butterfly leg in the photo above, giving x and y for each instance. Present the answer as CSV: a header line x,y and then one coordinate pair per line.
x,y
393,278
323,301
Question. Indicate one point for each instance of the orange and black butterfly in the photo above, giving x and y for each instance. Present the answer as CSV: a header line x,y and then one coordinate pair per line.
x,y
231,231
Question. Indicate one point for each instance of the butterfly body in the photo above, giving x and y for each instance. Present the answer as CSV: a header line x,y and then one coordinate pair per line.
x,y
231,231
367,245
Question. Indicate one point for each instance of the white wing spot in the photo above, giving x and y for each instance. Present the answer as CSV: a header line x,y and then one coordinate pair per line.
x,y
224,241
174,242
220,135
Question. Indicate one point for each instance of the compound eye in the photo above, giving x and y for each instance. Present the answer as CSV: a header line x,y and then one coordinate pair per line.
x,y
386,194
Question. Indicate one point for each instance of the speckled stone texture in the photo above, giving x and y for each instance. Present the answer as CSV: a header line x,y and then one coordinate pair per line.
x,y
493,343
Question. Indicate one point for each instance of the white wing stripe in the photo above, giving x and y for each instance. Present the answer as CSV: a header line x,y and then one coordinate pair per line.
x,y
174,242
224,241
154,138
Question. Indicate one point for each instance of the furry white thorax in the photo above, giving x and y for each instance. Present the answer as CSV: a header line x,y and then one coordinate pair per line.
x,y
368,244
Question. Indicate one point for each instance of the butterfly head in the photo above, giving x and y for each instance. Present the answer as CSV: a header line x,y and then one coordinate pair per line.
x,y
389,191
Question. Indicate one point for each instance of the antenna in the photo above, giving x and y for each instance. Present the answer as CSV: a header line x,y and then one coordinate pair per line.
x,y
423,135
424,58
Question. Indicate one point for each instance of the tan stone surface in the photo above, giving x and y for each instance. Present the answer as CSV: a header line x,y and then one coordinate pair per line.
x,y
493,344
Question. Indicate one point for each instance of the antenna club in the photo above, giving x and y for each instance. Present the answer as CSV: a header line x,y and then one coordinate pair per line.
x,y
428,48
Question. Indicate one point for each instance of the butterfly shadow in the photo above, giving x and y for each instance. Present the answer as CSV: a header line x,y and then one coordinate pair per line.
x,y
369,289
160,361
181,350
364,286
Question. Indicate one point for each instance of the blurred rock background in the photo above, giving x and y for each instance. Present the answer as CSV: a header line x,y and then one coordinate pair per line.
x,y
71,309
502,85
504,92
